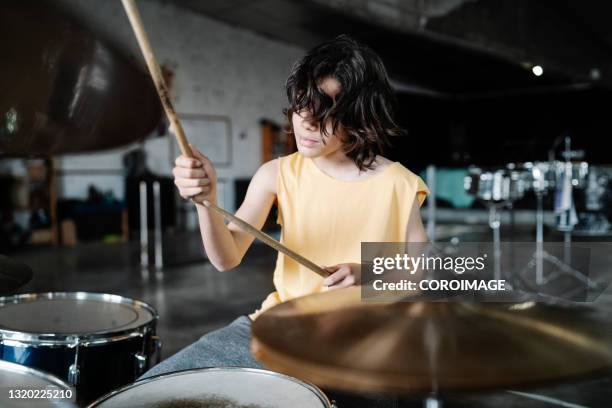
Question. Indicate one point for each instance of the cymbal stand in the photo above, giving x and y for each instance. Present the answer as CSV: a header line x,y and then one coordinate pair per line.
x,y
495,225
432,401
540,256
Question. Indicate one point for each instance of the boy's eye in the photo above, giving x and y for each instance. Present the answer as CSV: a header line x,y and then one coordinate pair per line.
x,y
304,113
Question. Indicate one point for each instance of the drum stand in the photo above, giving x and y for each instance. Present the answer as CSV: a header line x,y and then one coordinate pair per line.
x,y
540,256
495,224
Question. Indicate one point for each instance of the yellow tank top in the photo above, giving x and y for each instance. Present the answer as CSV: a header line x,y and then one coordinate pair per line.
x,y
326,219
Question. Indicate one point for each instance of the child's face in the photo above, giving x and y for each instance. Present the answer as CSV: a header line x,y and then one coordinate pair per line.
x,y
308,135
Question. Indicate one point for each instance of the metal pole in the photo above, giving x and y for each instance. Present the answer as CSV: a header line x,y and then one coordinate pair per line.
x,y
495,224
144,227
432,401
539,238
159,262
431,203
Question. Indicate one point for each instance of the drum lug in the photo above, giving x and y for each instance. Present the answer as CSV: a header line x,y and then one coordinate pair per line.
x,y
333,404
141,364
73,374
157,347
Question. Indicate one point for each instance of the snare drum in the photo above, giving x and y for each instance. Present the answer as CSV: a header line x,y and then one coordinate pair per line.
x,y
25,387
218,387
97,342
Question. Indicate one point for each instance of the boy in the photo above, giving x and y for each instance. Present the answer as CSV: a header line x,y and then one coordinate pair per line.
x,y
334,193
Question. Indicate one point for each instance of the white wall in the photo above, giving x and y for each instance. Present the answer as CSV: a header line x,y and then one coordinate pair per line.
x,y
219,70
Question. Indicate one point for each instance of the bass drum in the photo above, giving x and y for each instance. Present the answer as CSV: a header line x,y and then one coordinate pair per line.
x,y
25,387
96,342
218,387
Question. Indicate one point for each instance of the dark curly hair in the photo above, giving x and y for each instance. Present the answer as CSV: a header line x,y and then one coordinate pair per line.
x,y
364,106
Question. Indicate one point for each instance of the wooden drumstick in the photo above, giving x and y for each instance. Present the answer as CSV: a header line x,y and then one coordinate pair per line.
x,y
162,90
265,238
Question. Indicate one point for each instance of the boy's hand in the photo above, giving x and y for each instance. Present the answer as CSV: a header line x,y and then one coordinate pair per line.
x,y
342,276
195,177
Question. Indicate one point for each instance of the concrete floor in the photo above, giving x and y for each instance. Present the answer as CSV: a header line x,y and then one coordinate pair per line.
x,y
194,299
191,299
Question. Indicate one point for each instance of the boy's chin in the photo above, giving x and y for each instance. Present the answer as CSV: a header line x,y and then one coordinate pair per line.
x,y
311,153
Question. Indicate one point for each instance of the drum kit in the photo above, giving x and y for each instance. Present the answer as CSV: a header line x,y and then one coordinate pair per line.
x,y
580,194
80,347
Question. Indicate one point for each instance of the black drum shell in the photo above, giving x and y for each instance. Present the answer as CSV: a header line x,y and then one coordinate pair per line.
x,y
103,367
106,360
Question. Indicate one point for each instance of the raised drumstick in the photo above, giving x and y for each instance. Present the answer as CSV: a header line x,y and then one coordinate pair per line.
x,y
179,133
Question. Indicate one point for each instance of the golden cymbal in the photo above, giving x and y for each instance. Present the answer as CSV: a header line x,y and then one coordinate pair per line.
x,y
335,340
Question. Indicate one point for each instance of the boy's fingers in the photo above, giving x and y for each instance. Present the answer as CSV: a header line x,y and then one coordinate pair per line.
x,y
206,162
197,154
188,173
191,182
344,283
187,162
337,276
199,198
190,191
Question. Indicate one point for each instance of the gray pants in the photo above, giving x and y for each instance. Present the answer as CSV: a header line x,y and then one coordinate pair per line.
x,y
226,347
230,347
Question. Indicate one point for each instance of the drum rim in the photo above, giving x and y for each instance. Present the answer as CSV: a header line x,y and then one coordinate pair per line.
x,y
82,339
311,387
38,373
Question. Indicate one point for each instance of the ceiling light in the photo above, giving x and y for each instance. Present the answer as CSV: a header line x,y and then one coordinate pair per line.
x,y
537,70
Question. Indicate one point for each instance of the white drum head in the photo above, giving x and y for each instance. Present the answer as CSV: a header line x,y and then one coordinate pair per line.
x,y
72,313
218,388
17,377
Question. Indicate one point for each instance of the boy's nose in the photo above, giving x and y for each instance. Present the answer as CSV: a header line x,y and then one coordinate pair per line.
x,y
309,125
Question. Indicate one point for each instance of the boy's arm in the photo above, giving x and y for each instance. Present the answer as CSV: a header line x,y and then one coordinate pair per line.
x,y
415,232
226,245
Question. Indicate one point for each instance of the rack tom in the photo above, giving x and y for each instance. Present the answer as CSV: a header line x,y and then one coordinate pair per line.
x,y
97,342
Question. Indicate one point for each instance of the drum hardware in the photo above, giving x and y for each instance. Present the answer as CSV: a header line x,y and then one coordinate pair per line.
x,y
541,256
157,347
567,176
73,369
149,348
141,364
595,217
495,189
431,348
141,357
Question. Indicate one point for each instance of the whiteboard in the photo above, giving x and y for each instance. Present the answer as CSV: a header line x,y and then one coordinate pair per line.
x,y
105,161
211,134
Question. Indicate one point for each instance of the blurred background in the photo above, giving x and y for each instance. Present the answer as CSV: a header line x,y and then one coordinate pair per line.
x,y
506,106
